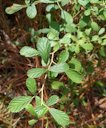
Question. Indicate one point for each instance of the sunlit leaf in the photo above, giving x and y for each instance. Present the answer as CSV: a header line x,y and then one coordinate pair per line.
x,y
14,8
32,122
41,111
31,85
36,72
60,117
28,51
101,31
19,103
52,100
44,48
31,11
53,34
29,108
64,2
63,56
66,39
66,17
74,76
75,64
49,1
59,68
51,7
57,85
87,46
83,2
95,26
40,108
27,2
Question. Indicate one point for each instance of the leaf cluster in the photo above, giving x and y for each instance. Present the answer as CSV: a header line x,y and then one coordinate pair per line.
x,y
78,31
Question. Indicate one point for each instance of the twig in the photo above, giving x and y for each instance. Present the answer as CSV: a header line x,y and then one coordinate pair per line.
x,y
43,85
92,115
14,125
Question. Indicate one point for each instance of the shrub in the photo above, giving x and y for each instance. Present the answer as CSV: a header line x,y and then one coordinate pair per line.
x,y
75,32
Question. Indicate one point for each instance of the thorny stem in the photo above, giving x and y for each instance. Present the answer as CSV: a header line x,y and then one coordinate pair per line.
x,y
43,85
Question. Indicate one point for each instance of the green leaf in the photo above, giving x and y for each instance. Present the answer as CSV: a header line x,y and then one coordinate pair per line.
x,y
87,46
38,101
95,38
49,1
87,12
56,46
101,31
27,2
31,11
60,117
82,23
94,1
64,2
74,76
31,85
63,56
52,74
36,72
46,1
88,31
83,2
57,85
14,8
55,26
19,103
66,39
102,51
44,48
32,122
70,28
66,17
59,68
51,7
43,30
52,100
29,108
95,26
41,110
104,14
76,64
53,34
28,51
104,42
77,49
